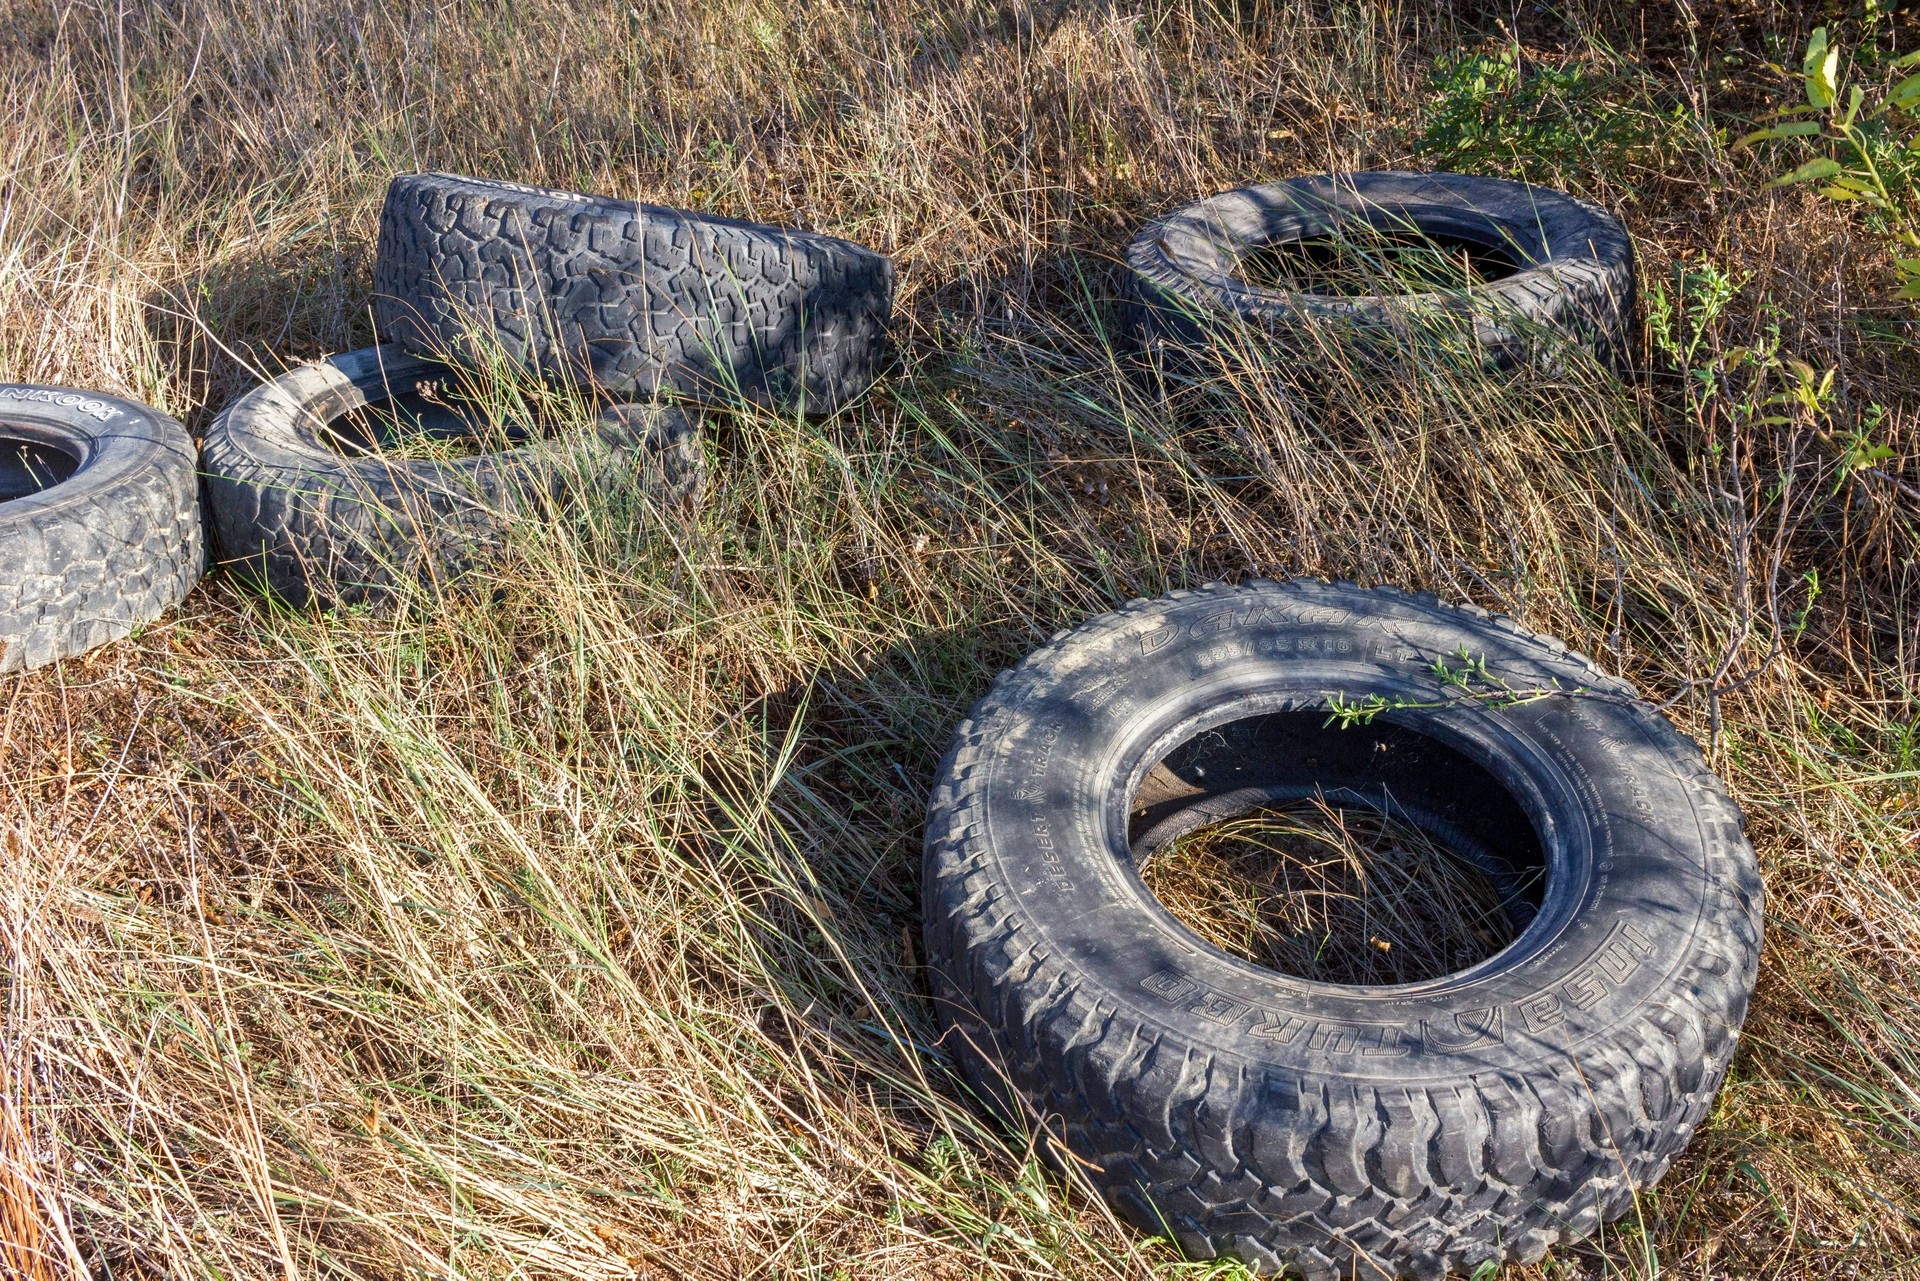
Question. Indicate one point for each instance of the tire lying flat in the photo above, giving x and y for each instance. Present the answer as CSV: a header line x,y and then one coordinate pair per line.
x,y
639,299
1575,263
113,544
312,524
1339,1130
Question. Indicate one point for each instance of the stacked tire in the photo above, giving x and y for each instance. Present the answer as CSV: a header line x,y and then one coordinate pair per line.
x,y
647,307
638,300
638,307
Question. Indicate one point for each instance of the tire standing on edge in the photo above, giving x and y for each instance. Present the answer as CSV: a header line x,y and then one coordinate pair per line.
x,y
99,521
1339,1130
308,521
639,299
1573,262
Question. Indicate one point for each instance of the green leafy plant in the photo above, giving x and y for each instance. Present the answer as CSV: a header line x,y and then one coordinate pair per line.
x,y
1731,391
1870,139
1861,451
1503,112
1729,386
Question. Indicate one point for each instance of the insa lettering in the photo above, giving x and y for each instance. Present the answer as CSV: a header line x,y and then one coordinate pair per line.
x,y
97,410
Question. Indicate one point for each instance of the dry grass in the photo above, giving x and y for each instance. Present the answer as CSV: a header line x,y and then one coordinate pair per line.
x,y
1332,895
568,930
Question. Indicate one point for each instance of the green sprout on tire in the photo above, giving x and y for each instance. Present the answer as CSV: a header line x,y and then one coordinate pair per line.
x,y
1471,677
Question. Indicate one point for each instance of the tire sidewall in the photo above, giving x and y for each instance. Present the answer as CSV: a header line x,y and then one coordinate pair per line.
x,y
115,440
277,425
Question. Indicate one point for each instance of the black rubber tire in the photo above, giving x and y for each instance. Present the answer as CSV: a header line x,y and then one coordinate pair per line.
x,y
639,299
1576,274
315,525
1338,1131
113,545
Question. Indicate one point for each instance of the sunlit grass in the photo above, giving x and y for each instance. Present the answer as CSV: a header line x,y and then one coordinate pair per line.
x,y
568,927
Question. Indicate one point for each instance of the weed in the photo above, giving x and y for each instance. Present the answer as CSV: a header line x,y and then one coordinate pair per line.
x,y
1470,680
1509,112
1870,134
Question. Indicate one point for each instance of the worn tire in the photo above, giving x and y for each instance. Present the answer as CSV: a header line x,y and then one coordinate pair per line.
x,y
639,299
313,524
1332,1130
1575,278
112,545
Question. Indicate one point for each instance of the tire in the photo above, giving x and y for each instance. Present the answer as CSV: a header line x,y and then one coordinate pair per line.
x,y
640,300
315,525
113,543
1575,274
1338,1130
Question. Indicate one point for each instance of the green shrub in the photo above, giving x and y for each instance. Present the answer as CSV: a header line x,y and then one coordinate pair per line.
x,y
1865,144
1501,112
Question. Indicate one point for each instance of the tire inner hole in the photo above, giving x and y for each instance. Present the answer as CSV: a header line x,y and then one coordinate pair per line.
x,y
1374,261
1362,856
434,422
29,466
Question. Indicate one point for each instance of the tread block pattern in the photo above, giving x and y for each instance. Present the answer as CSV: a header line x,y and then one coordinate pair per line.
x,y
1306,1173
639,299
1579,282
115,545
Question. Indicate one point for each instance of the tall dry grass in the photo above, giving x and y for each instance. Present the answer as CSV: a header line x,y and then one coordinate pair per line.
x,y
569,930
